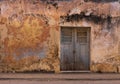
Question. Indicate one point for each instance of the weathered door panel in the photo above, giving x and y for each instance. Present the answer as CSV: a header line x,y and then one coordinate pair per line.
x,y
67,62
82,49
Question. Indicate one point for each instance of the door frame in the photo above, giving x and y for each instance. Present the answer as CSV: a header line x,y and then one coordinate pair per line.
x,y
89,47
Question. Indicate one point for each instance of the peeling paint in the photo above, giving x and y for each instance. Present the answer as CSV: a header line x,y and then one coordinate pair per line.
x,y
30,33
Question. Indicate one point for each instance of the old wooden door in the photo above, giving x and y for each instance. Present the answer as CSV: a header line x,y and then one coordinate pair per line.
x,y
75,49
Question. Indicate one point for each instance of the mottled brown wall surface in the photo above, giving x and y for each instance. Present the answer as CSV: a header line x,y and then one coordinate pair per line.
x,y
29,33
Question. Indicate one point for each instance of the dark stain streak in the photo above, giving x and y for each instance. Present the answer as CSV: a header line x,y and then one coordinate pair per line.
x,y
78,17
109,26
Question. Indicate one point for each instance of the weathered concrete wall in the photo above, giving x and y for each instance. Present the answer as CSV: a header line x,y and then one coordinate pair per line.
x,y
105,38
29,33
28,40
104,45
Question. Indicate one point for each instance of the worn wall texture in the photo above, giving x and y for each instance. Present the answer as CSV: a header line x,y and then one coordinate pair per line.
x,y
30,29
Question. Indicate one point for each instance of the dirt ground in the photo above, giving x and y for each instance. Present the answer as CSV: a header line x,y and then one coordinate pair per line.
x,y
65,78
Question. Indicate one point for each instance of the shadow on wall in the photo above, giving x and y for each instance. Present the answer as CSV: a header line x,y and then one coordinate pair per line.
x,y
105,1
